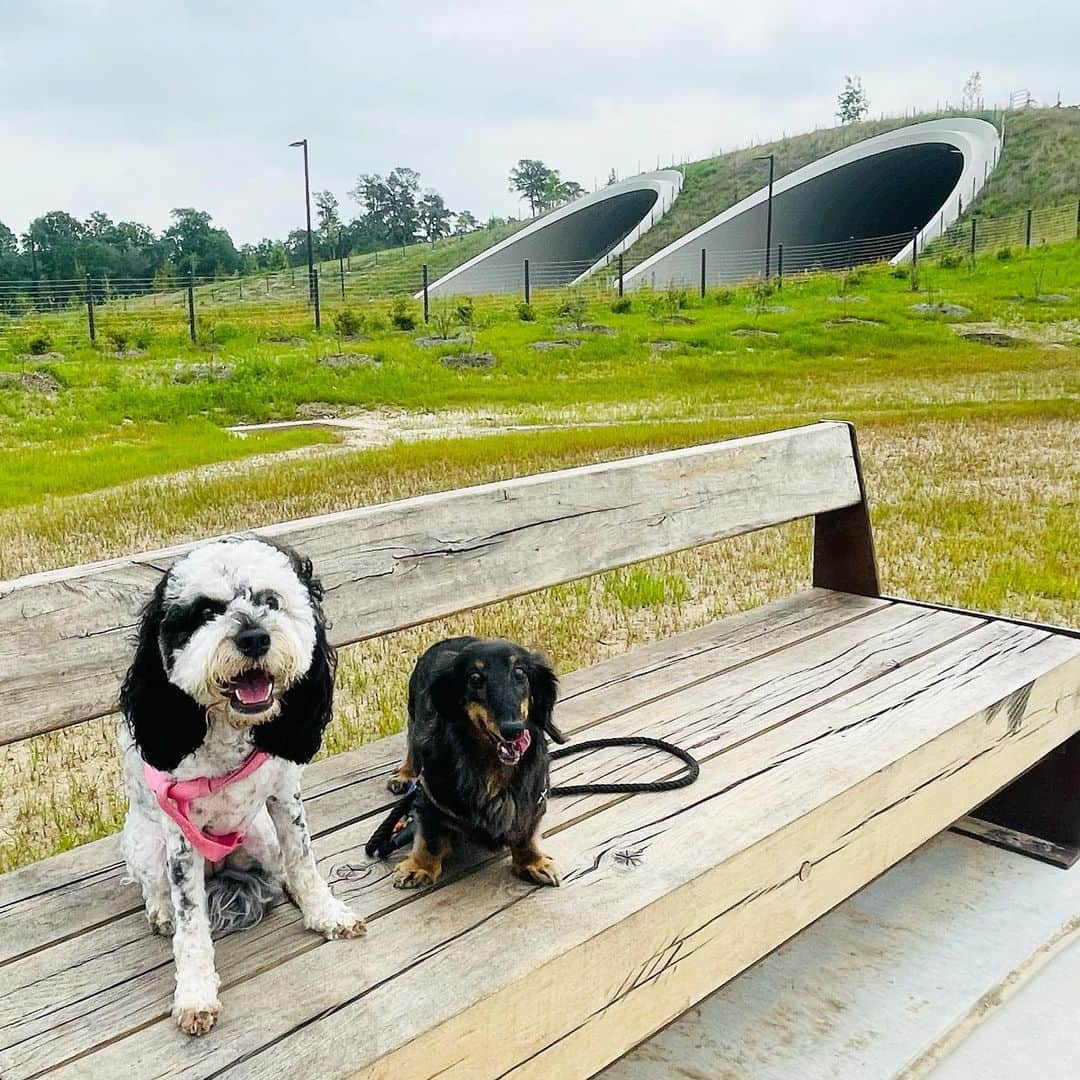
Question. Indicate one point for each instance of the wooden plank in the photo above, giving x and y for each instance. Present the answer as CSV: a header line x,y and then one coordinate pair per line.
x,y
440,914
119,971
606,962
65,636
84,887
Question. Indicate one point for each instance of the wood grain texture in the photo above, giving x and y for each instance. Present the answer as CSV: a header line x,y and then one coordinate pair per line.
x,y
65,636
840,749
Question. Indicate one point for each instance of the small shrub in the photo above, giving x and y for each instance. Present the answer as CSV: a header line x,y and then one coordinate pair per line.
x,y
465,313
724,297
622,305
118,339
760,293
39,343
677,298
1004,254
526,312
443,322
143,338
900,272
575,308
348,323
376,324
402,317
951,260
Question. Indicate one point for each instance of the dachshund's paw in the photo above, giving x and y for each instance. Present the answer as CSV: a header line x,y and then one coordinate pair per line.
x,y
407,876
196,1019
400,782
539,870
335,922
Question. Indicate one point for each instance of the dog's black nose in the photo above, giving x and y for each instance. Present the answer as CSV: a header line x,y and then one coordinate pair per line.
x,y
511,729
253,641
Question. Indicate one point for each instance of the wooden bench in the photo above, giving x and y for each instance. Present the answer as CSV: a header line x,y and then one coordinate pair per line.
x,y
838,730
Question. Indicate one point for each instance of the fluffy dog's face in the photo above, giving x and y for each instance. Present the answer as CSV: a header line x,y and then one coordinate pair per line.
x,y
235,631
237,628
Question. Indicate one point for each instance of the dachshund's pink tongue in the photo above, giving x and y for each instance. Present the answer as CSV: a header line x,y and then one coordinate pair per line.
x,y
511,751
522,743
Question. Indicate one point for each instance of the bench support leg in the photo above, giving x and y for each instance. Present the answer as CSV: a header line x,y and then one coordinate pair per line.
x,y
1038,814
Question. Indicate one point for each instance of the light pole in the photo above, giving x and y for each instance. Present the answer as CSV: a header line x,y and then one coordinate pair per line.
x,y
313,292
771,159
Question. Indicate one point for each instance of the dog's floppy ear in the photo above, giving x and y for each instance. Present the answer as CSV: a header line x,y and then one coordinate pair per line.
x,y
307,706
543,692
444,683
165,723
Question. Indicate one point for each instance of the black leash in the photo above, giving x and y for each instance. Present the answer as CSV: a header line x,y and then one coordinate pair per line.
x,y
396,829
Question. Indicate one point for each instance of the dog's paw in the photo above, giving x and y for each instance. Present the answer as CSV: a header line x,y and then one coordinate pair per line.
x,y
539,871
412,877
399,783
196,1019
336,921
161,921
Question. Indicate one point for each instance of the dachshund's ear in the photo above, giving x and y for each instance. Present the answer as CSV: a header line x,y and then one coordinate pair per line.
x,y
165,723
543,693
306,707
444,683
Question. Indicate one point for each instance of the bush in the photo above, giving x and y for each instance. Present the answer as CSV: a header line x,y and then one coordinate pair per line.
x,y
1004,254
144,336
39,343
951,260
465,313
118,339
575,308
622,305
526,312
402,317
376,324
725,297
677,298
348,323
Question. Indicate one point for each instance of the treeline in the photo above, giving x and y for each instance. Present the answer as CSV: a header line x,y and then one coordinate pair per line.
x,y
129,257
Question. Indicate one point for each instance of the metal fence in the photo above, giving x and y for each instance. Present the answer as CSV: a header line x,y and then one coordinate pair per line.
x,y
125,314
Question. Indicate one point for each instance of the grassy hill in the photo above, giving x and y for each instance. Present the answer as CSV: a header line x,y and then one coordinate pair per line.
x,y
1040,165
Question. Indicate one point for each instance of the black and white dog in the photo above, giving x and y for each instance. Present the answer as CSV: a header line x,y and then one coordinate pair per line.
x,y
225,701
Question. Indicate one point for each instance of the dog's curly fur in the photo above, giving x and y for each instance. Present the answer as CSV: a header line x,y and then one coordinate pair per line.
x,y
470,701
186,711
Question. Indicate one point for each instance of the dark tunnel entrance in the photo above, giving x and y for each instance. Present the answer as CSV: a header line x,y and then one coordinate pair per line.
x,y
560,252
861,212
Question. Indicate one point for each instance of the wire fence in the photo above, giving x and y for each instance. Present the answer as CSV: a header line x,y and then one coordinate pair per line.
x,y
127,314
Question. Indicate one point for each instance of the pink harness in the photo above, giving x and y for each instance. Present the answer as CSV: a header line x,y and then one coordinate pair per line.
x,y
175,797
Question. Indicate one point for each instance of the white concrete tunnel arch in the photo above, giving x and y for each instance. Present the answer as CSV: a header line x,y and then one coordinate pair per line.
x,y
865,200
571,242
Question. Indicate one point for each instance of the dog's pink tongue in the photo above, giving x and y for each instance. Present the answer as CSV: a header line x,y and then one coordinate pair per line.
x,y
522,742
253,687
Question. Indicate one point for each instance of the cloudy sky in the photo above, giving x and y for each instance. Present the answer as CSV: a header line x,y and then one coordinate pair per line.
x,y
135,108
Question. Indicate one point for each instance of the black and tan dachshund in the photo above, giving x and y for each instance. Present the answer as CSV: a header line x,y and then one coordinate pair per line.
x,y
479,711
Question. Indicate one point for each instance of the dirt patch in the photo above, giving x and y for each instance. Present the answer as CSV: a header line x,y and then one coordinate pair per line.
x,y
954,310
586,328
744,331
31,382
772,309
1052,298
350,360
678,320
443,342
852,320
209,371
991,337
40,358
285,339
562,343
666,346
127,354
468,360
854,299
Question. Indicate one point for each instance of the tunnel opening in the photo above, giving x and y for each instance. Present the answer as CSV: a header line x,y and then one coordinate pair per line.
x,y
863,211
557,252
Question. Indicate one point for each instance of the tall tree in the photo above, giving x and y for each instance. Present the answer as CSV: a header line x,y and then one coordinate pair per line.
x,y
465,222
403,216
531,179
434,217
972,95
198,246
852,102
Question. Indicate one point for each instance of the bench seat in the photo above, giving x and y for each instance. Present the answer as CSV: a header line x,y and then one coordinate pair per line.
x,y
836,734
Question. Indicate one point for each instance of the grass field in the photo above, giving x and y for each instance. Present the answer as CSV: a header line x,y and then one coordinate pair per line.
x,y
970,448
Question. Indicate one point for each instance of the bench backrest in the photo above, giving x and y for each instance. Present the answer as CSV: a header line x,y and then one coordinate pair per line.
x,y
66,635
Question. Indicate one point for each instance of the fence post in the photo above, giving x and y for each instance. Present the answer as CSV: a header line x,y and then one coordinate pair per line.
x,y
851,254
528,291
90,311
1078,218
779,266
973,220
702,273
341,272
315,296
267,284
424,279
1027,231
621,254
191,307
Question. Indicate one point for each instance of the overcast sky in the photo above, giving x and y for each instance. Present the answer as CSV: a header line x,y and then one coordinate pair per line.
x,y
134,108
